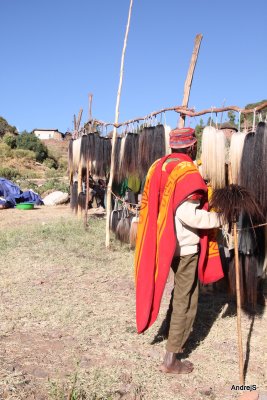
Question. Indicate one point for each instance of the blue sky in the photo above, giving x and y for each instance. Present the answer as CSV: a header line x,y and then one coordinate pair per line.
x,y
54,52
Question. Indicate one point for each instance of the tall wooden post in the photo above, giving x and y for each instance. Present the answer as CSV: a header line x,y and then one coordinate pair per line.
x,y
238,296
114,135
189,79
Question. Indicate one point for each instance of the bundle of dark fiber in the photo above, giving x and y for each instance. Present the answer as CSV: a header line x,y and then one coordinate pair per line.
x,y
84,150
145,159
158,144
106,155
91,150
248,280
82,200
232,200
74,196
247,163
123,228
115,217
99,157
152,146
129,156
252,253
260,166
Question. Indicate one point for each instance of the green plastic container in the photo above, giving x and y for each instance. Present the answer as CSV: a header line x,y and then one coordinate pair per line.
x,y
25,206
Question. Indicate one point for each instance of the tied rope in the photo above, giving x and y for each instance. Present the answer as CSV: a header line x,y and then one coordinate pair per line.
x,y
127,204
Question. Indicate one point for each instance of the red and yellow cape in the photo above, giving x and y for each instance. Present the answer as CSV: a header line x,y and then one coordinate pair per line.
x,y
170,180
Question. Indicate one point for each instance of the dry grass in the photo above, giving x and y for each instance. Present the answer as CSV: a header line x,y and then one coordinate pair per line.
x,y
68,321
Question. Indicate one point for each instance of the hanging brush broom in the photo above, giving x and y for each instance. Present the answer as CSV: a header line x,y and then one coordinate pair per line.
x,y
123,227
230,202
133,232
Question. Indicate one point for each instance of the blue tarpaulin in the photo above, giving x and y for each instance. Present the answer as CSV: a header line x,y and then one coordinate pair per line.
x,y
11,194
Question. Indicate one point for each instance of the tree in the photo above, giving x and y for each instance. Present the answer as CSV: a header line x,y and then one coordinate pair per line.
x,y
249,117
231,117
10,140
29,141
198,131
6,128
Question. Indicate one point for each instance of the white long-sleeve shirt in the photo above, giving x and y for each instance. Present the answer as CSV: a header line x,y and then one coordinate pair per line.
x,y
188,220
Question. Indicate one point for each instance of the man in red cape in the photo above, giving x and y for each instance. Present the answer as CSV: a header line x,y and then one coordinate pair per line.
x,y
172,232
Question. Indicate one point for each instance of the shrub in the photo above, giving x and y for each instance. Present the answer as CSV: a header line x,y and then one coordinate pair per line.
x,y
10,140
5,150
22,153
9,173
29,141
51,163
63,165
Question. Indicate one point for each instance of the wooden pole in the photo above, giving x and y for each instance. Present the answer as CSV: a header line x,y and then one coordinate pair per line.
x,y
88,168
189,78
185,111
238,297
238,308
115,129
78,122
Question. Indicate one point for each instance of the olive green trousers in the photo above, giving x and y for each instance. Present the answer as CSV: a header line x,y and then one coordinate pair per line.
x,y
184,301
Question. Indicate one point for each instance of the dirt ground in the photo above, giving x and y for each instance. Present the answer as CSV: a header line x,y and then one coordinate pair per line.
x,y
68,322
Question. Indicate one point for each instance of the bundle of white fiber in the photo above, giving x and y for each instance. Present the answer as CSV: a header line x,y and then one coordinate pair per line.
x,y
121,153
213,157
167,129
235,154
218,178
76,153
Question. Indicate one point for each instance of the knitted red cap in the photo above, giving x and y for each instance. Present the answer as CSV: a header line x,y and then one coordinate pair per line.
x,y
182,137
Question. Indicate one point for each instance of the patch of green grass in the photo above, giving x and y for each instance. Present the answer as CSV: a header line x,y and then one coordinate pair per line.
x,y
9,173
52,185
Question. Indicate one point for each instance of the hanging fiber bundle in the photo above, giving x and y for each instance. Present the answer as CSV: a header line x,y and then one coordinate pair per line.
x,y
151,147
117,159
91,146
213,156
84,150
158,149
82,200
260,166
70,160
167,130
115,216
74,196
144,151
246,167
106,155
218,181
129,156
76,153
233,200
235,154
99,159
133,232
123,228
